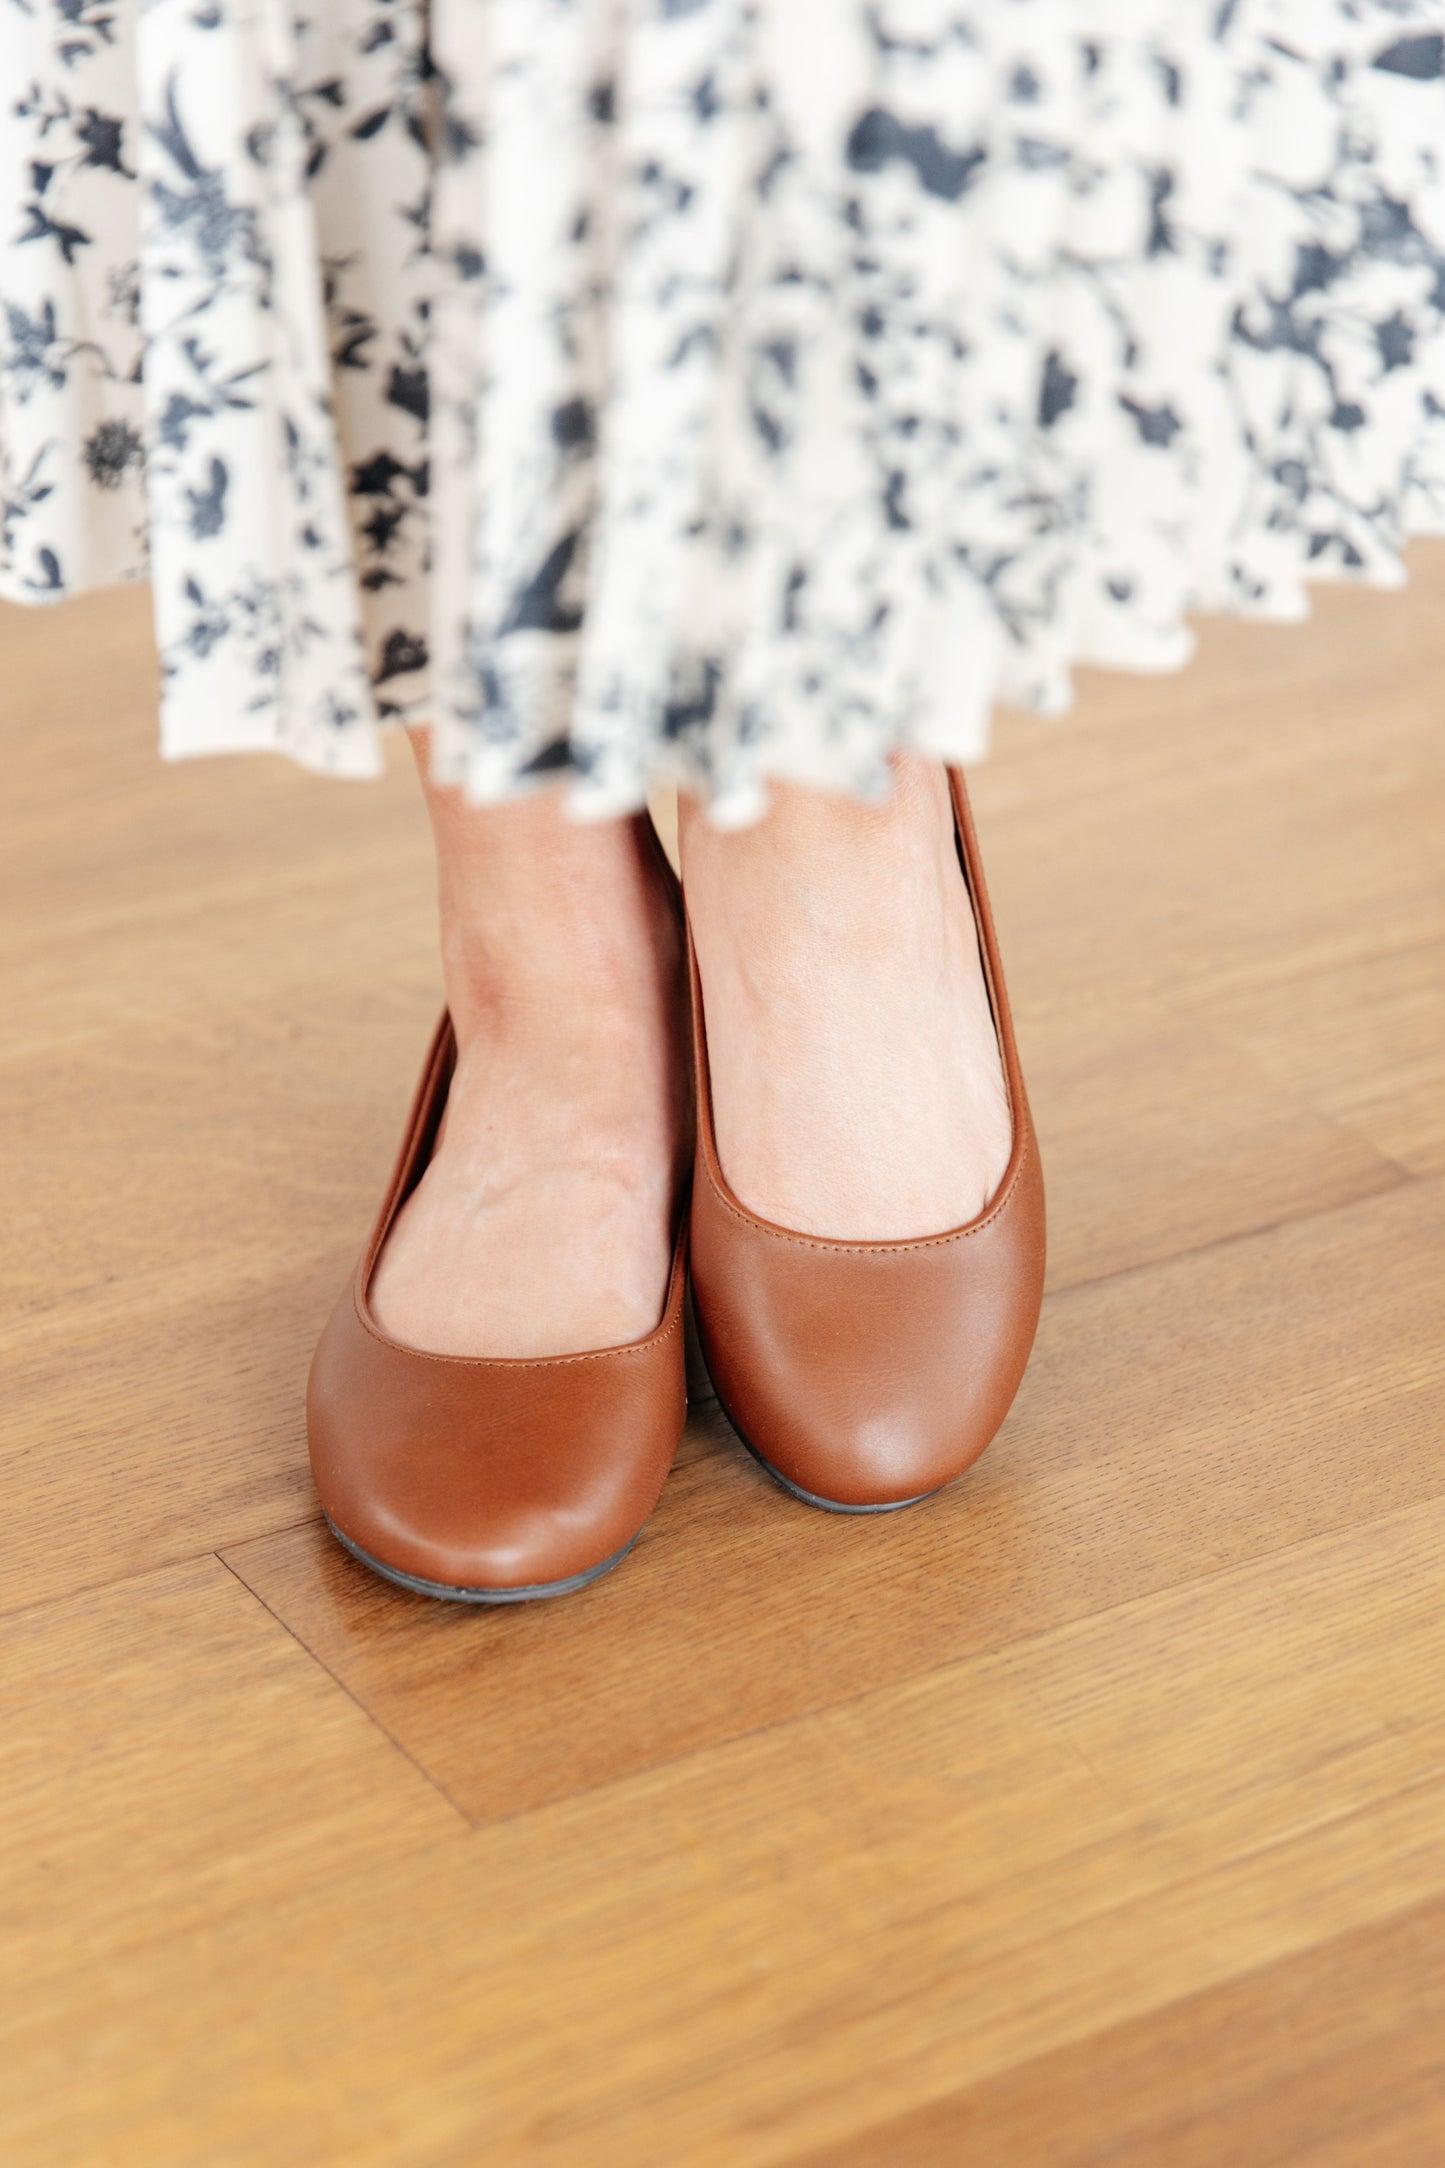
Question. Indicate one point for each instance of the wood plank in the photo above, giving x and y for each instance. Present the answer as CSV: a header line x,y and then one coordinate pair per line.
x,y
130,889
776,1942
158,1155
1159,1137
1173,1421
216,979
1331,2059
179,1687
176,1230
1278,802
1364,1043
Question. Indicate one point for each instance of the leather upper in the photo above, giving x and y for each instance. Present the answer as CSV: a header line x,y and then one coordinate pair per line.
x,y
868,1374
487,1472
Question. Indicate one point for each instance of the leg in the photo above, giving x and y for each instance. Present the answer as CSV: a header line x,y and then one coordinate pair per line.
x,y
543,1223
857,1088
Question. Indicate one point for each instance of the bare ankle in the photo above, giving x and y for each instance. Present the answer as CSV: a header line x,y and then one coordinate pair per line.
x,y
547,923
552,994
545,1219
824,870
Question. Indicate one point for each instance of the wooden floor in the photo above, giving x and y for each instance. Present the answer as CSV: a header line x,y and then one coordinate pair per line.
x,y
1092,1813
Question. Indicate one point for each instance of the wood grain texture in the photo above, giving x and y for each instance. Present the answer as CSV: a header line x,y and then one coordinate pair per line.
x,y
1332,2059
1281,801
1160,1135
769,1944
171,1765
1094,1813
215,978
1362,1043
174,1231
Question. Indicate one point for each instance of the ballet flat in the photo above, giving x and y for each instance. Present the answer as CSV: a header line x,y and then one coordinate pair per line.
x,y
866,1375
487,1479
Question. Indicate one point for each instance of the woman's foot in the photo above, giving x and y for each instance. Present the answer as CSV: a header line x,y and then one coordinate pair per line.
x,y
856,1082
544,1222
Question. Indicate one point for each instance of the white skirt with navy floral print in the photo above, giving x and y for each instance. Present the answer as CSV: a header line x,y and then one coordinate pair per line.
x,y
707,390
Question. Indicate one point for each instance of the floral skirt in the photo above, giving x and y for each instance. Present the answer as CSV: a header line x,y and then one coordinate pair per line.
x,y
707,390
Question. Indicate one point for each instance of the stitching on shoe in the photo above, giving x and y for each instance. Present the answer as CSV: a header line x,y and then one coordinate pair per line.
x,y
906,1247
655,1340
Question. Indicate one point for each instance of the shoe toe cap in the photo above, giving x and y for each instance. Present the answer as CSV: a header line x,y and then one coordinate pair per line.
x,y
496,1549
488,1477
840,1452
869,1377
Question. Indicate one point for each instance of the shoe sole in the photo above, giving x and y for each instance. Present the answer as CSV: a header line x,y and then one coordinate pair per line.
x,y
832,1505
448,1592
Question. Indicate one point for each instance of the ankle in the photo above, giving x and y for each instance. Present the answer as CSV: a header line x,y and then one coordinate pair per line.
x,y
550,1001
586,953
593,1067
823,871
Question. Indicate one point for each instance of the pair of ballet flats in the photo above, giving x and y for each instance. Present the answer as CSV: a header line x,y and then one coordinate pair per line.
x,y
863,1375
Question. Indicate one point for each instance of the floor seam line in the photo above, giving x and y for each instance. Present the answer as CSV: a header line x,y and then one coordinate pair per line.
x,y
1388,1916
351,1695
145,1573
1238,1050
1407,1178
986,1654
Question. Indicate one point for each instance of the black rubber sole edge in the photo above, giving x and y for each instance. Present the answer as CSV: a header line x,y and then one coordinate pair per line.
x,y
831,1505
447,1592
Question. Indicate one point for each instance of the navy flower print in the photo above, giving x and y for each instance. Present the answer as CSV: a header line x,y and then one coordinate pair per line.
x,y
641,391
111,452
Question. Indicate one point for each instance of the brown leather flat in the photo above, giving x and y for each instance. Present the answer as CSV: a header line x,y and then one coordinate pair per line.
x,y
866,1375
487,1479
